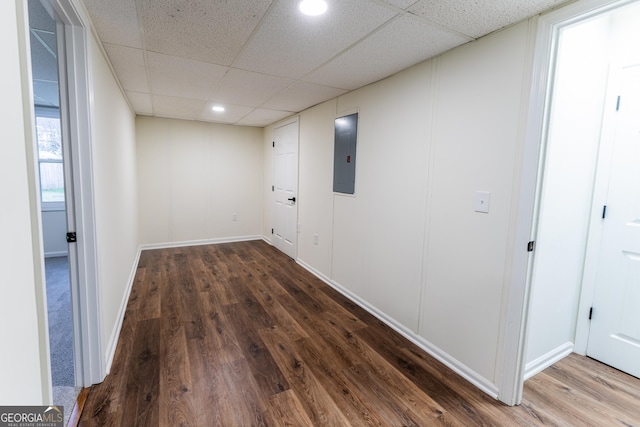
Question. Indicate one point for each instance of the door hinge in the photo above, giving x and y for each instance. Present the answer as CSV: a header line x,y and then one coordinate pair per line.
x,y
71,237
604,211
590,313
274,144
618,103
273,188
272,231
531,246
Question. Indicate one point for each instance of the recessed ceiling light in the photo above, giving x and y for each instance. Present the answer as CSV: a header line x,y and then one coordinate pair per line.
x,y
313,7
218,108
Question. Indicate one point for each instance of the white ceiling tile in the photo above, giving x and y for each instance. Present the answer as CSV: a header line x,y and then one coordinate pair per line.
x,y
402,4
249,88
204,30
129,66
478,18
406,41
173,57
180,108
290,44
301,96
261,117
184,78
116,21
231,114
141,102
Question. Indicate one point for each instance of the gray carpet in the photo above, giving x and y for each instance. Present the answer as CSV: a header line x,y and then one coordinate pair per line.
x,y
60,321
65,396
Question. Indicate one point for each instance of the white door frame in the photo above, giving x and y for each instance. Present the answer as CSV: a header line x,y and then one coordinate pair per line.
x,y
89,359
511,363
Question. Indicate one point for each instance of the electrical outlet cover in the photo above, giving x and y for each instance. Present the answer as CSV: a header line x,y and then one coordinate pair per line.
x,y
483,199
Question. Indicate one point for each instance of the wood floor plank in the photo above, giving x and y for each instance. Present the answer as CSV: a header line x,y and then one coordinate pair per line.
x,y
224,344
142,391
381,374
176,390
470,401
388,411
285,410
265,370
239,334
220,274
149,304
105,405
244,393
602,382
318,404
279,315
354,406
329,342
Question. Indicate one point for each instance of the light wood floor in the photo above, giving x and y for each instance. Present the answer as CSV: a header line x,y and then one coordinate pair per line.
x,y
240,335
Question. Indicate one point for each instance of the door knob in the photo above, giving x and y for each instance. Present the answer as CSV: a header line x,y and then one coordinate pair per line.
x,y
293,199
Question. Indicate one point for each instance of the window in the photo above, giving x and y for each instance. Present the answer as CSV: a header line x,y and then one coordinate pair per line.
x,y
49,139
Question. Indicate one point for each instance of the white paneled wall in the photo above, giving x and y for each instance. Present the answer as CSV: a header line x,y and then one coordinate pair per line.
x,y
475,137
115,195
409,244
316,183
194,177
387,215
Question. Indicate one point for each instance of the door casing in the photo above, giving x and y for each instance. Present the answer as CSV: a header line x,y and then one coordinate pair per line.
x,y
75,93
285,212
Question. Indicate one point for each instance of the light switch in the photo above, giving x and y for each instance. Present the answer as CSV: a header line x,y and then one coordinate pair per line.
x,y
483,198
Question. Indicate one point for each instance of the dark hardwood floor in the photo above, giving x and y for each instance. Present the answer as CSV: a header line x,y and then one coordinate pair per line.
x,y
240,335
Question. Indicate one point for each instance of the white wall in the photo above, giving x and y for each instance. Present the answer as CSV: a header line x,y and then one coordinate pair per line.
x,y
24,371
115,194
54,230
378,238
409,244
567,189
193,177
475,141
315,182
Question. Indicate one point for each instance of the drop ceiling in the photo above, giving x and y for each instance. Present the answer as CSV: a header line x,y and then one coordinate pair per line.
x,y
263,60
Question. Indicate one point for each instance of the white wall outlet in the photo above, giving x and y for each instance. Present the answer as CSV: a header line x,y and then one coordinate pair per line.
x,y
315,239
483,198
234,217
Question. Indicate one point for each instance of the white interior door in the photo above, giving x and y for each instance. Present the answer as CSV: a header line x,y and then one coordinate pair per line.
x,y
285,188
614,337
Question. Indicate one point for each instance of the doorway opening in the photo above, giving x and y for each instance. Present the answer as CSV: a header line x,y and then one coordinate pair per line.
x,y
55,198
581,115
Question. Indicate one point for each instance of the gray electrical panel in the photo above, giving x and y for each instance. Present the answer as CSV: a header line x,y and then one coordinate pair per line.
x,y
344,154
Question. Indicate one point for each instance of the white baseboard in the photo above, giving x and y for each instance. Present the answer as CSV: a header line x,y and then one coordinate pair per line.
x,y
546,360
55,254
115,333
200,242
464,371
